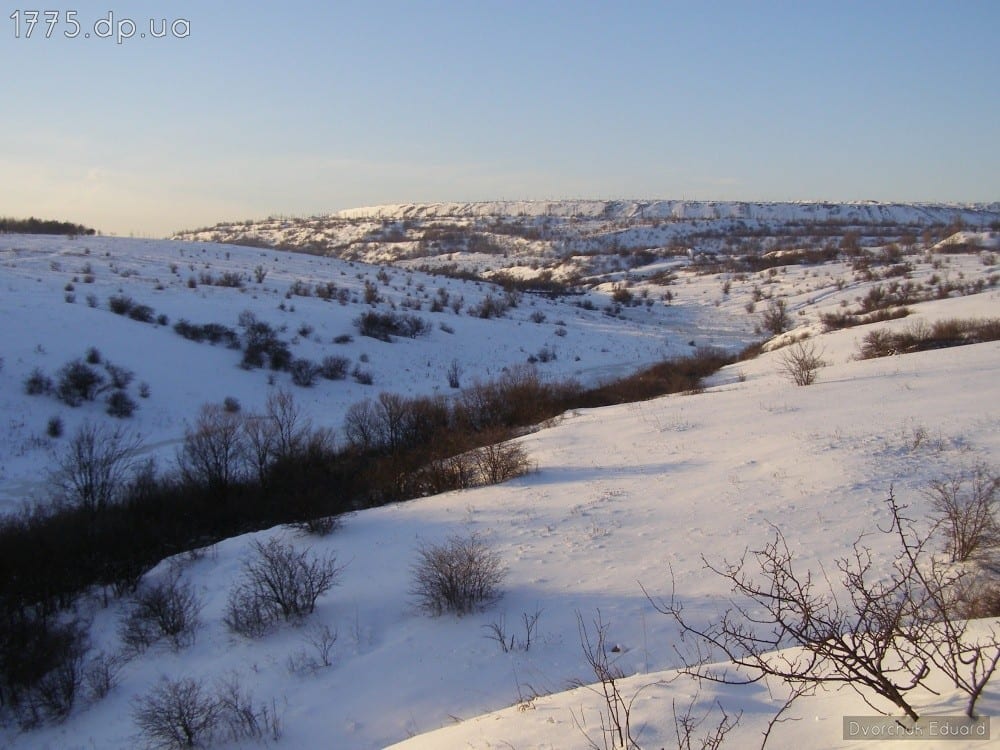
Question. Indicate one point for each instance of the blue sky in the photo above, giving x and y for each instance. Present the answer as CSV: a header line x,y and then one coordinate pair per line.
x,y
303,108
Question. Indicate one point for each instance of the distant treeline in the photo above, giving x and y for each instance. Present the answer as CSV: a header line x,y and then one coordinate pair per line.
x,y
42,226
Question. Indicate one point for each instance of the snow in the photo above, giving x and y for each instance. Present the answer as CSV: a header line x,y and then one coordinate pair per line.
x,y
623,497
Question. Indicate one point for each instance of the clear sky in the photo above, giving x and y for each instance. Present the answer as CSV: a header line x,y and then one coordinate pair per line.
x,y
262,108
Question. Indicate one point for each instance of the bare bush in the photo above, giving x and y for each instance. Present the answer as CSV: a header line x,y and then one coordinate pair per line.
x,y
498,632
965,503
304,372
178,714
883,342
94,470
38,383
279,582
120,404
318,525
41,665
168,609
800,363
55,694
78,382
242,718
855,644
247,614
454,374
893,629
457,576
321,639
334,368
616,715
687,726
775,319
938,630
101,674
499,462
384,326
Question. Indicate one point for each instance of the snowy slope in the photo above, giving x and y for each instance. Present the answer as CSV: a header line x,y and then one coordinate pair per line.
x,y
622,496
42,330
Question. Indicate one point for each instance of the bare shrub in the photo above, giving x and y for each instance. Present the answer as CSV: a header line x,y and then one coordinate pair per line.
x,y
78,382
38,383
965,503
855,644
98,460
304,372
894,629
938,630
383,326
121,405
55,694
921,337
101,674
878,343
120,304
321,639
242,718
54,427
41,667
281,433
168,609
800,363
247,614
775,319
279,582
457,576
499,462
498,632
334,368
616,724
319,526
687,726
454,374
178,714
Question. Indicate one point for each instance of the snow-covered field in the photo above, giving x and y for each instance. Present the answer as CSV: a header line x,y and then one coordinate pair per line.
x,y
623,497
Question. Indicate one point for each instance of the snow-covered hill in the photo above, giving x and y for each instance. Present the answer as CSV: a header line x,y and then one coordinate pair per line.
x,y
55,307
859,212
622,496
570,240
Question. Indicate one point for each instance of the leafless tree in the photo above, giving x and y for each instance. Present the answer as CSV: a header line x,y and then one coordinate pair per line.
x,y
291,429
95,468
214,449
